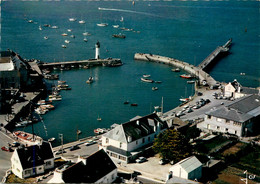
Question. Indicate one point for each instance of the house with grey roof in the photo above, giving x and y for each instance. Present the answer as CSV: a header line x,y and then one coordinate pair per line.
x,y
32,160
126,141
97,168
236,90
241,117
189,168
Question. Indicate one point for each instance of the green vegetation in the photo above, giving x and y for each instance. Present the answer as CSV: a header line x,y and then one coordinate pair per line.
x,y
172,145
14,179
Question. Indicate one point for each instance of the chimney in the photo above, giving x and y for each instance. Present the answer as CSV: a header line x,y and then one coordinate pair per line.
x,y
129,138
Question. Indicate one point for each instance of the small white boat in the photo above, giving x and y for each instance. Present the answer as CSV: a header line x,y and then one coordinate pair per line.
x,y
72,36
82,22
67,41
147,80
78,132
51,139
54,27
86,34
72,19
64,34
99,118
242,73
30,21
63,46
115,26
146,75
176,70
40,28
122,19
46,37
154,88
55,99
85,39
102,24
191,82
69,30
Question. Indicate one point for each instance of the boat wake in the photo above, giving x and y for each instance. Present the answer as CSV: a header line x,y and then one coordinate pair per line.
x,y
128,11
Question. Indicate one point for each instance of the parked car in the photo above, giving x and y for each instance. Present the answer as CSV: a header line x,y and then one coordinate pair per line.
x,y
5,148
90,143
15,144
59,152
163,161
72,148
140,160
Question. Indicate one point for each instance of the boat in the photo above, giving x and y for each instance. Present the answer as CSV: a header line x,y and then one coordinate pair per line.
x,y
147,80
64,34
134,104
79,132
118,35
86,34
242,73
102,24
30,21
82,22
146,75
115,26
46,37
99,118
61,82
122,19
55,98
47,25
154,88
72,36
186,76
23,123
40,28
54,27
176,70
28,138
63,46
126,102
184,99
49,106
52,139
90,80
69,30
67,41
191,82
85,39
44,102
72,19
100,131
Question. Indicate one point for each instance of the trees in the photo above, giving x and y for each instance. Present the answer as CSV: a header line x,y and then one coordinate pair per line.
x,y
172,145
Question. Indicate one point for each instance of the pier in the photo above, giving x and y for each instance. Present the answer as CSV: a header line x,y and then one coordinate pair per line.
x,y
204,77
82,63
209,60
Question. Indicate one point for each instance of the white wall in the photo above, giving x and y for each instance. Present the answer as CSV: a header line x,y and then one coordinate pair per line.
x,y
49,166
16,165
178,171
109,178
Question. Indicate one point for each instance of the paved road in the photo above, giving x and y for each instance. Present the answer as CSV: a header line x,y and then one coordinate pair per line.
x,y
4,156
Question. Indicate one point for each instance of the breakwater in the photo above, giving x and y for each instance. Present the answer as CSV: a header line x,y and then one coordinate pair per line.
x,y
203,76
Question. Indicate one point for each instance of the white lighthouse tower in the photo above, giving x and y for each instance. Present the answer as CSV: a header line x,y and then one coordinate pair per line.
x,y
97,50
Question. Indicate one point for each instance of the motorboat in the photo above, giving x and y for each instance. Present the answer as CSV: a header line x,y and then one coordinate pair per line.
x,y
82,22
146,75
64,34
147,80
90,80
115,26
134,104
85,39
102,24
69,30
56,98
52,139
67,41
126,102
72,19
72,36
118,35
154,88
191,82
40,28
86,34
176,70
30,21
122,19
43,102
186,76
54,27
63,46
46,37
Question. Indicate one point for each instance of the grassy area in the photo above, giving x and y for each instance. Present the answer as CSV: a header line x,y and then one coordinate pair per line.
x,y
234,149
14,179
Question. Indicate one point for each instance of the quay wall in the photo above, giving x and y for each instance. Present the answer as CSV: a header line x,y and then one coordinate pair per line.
x,y
193,70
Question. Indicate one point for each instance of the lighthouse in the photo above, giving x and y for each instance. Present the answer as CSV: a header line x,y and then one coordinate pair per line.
x,y
97,50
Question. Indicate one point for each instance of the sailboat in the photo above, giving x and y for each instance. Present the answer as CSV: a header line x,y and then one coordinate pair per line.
x,y
99,118
122,19
102,24
185,99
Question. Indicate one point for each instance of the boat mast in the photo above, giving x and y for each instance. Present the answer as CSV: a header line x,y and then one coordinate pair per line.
x,y
30,116
162,106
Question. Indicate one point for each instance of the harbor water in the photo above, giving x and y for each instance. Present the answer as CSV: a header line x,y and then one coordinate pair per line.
x,y
185,30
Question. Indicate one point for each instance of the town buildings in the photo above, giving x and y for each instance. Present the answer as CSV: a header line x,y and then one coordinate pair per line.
x,y
97,168
126,141
33,160
240,117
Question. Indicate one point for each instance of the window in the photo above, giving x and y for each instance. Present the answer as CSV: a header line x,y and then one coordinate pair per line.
x,y
149,138
219,119
228,121
107,140
113,155
237,123
226,129
26,172
235,132
122,158
143,140
136,142
218,127
120,145
48,163
209,116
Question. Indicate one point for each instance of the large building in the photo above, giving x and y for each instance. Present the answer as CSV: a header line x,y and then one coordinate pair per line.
x,y
33,160
97,168
241,117
126,141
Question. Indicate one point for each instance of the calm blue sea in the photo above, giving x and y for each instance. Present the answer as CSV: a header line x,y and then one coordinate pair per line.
x,y
185,30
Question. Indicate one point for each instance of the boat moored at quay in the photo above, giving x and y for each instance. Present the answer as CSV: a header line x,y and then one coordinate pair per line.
x,y
147,80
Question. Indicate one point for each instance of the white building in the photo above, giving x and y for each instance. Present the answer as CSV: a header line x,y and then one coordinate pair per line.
x,y
33,160
240,117
126,141
236,90
97,168
189,168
